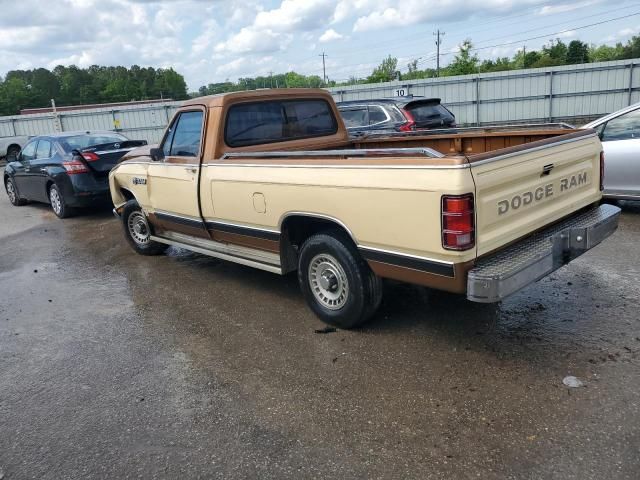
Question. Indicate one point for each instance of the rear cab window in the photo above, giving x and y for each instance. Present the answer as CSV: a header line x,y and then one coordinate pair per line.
x,y
272,121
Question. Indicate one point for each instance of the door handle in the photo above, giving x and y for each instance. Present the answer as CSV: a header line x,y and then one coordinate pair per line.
x,y
191,170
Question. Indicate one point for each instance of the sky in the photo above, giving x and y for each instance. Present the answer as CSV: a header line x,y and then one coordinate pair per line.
x,y
214,40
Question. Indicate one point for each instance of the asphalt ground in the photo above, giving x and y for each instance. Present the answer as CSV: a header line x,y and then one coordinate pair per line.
x,y
114,365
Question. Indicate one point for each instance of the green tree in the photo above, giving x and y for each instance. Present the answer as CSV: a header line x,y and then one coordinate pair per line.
x,y
385,72
577,52
463,63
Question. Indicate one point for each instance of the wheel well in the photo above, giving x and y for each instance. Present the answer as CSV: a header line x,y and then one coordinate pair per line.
x,y
127,194
296,229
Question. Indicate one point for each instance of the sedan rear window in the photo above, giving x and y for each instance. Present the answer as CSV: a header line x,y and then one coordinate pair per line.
x,y
278,121
79,142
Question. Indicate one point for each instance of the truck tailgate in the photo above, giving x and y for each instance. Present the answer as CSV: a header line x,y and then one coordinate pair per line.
x,y
523,189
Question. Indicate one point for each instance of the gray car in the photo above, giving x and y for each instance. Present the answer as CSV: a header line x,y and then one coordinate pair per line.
x,y
620,136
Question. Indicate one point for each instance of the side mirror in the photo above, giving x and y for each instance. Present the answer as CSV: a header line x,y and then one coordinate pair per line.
x,y
156,154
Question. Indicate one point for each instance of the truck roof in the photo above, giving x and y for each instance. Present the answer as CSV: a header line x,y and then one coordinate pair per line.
x,y
262,94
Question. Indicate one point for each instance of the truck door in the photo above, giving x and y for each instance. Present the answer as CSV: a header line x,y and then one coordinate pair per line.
x,y
172,182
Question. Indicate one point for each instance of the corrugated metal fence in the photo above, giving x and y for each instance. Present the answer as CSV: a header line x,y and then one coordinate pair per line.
x,y
139,122
573,93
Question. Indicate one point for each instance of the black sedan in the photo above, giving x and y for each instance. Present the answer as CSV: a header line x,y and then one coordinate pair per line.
x,y
66,170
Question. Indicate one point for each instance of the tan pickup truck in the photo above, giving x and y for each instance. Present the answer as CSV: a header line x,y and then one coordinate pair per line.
x,y
271,179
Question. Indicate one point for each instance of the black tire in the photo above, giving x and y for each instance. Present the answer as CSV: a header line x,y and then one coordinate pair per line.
x,y
13,194
138,231
58,203
12,153
328,262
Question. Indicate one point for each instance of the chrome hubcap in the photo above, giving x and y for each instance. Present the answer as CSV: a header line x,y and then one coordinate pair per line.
x,y
11,192
138,228
56,202
328,281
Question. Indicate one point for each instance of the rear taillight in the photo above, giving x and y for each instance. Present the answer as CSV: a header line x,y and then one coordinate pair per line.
x,y
410,126
90,156
458,223
74,166
601,171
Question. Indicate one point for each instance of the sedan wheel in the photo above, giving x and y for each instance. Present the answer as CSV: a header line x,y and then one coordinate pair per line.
x,y
58,204
12,193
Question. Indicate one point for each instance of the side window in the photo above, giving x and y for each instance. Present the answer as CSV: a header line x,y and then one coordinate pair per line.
x,y
187,135
29,151
166,146
355,117
44,149
624,127
376,115
278,121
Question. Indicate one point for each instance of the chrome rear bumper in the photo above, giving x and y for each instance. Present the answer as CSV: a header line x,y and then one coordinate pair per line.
x,y
498,275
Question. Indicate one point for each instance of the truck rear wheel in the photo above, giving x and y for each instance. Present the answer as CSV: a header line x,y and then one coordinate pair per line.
x,y
138,231
337,283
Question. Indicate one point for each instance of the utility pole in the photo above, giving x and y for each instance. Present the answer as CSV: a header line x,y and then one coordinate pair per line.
x,y
438,35
524,56
324,69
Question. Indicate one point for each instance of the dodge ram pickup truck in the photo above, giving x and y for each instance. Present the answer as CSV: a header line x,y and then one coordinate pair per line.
x,y
271,179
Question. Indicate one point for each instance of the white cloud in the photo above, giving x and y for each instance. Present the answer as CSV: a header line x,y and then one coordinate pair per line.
x,y
253,40
566,7
381,14
567,34
330,35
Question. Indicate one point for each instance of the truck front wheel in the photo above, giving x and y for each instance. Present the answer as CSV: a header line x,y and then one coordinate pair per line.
x,y
138,232
337,283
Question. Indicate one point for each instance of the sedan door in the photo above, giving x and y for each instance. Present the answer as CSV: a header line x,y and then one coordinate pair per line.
x,y
621,142
22,167
37,177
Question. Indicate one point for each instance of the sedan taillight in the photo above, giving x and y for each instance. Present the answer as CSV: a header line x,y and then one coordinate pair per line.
x,y
90,156
458,222
74,166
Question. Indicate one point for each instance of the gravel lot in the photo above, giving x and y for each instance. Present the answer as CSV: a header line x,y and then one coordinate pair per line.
x,y
114,365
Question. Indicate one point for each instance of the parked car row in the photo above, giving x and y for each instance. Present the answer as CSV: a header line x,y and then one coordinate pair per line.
x,y
66,170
